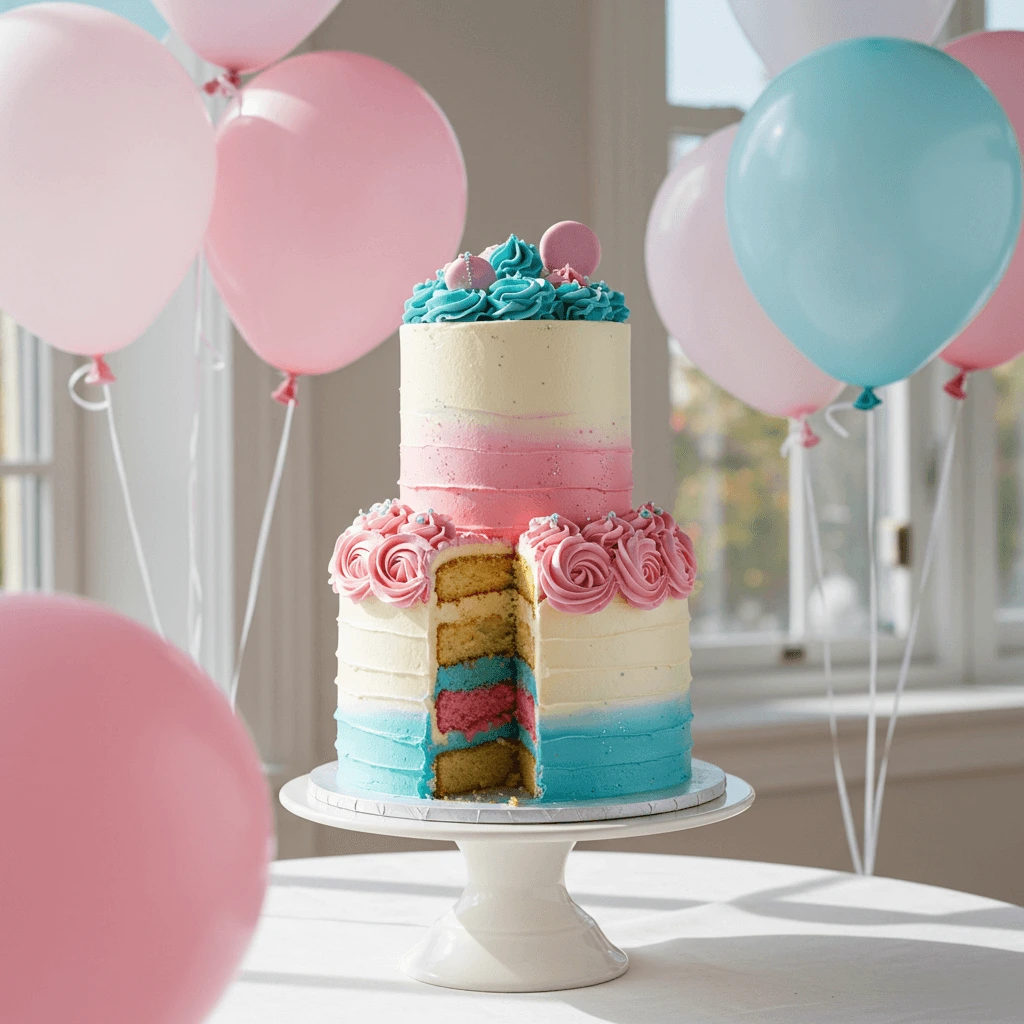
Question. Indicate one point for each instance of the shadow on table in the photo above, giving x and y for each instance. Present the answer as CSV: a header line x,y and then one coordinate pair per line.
x,y
785,903
809,979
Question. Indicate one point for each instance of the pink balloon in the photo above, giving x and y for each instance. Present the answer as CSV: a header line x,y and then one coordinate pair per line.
x,y
106,175
706,305
244,35
137,828
994,336
340,184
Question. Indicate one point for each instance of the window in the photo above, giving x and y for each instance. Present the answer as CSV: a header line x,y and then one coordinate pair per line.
x,y
738,496
26,461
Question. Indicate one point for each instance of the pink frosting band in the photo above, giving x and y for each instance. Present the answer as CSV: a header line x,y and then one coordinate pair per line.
x,y
506,515
495,481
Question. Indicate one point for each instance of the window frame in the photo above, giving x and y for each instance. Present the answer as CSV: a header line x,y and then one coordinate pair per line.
x,y
632,124
56,465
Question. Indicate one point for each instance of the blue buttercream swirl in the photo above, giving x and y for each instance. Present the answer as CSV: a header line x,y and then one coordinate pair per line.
x,y
459,304
516,257
620,311
521,298
416,306
582,302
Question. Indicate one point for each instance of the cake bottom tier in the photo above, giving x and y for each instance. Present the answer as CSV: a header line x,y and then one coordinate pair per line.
x,y
617,749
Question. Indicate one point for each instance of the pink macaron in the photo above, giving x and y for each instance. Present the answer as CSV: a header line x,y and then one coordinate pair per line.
x,y
469,271
570,243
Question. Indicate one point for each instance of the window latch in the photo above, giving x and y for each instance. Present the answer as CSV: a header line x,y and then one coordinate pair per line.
x,y
895,549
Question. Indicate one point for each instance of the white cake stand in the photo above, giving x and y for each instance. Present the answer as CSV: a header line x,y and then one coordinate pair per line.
x,y
515,927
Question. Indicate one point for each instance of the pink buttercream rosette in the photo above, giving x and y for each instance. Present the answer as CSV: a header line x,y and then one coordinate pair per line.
x,y
387,552
644,556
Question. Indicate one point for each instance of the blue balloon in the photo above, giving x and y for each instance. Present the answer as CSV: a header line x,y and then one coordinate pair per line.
x,y
141,12
874,199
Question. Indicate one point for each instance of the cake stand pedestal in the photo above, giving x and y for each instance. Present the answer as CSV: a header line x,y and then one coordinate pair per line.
x,y
515,927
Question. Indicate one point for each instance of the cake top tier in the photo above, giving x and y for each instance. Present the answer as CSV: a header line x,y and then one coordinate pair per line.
x,y
520,281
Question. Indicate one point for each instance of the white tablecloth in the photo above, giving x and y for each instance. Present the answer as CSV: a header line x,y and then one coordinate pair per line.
x,y
708,940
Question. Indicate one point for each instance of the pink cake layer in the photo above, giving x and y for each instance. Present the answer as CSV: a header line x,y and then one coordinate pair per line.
x,y
475,711
497,484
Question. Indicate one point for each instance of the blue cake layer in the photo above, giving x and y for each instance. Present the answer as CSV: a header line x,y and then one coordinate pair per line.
x,y
468,675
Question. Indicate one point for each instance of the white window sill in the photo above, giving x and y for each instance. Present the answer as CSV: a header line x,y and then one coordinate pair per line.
x,y
784,744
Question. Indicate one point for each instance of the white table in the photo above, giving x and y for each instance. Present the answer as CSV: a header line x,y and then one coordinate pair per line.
x,y
708,940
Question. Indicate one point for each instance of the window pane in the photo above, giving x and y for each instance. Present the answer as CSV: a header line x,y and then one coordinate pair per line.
x,y
839,472
1009,385
732,497
709,62
24,379
22,558
1004,14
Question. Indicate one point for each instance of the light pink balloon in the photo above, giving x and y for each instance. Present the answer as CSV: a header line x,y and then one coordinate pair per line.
x,y
137,827
995,335
106,175
244,35
706,305
783,31
339,186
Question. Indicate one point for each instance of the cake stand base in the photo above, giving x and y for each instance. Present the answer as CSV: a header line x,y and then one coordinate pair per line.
x,y
515,928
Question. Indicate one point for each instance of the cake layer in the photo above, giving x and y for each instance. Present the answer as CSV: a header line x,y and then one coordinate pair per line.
x,y
504,421
497,763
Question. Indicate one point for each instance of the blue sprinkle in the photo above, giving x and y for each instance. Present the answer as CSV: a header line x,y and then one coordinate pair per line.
x,y
421,519
645,513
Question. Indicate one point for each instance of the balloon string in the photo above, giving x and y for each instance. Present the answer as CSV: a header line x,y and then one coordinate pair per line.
x,y
826,642
261,547
107,406
869,754
929,557
830,417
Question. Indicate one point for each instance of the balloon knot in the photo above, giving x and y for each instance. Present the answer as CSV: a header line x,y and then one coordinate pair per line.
x,y
867,400
100,373
226,84
955,387
808,438
285,392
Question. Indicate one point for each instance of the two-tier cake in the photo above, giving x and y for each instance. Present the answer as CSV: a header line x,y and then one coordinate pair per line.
x,y
511,620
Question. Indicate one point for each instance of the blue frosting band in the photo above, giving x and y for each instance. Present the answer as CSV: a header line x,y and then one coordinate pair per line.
x,y
516,257
616,750
416,306
457,305
582,302
521,298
